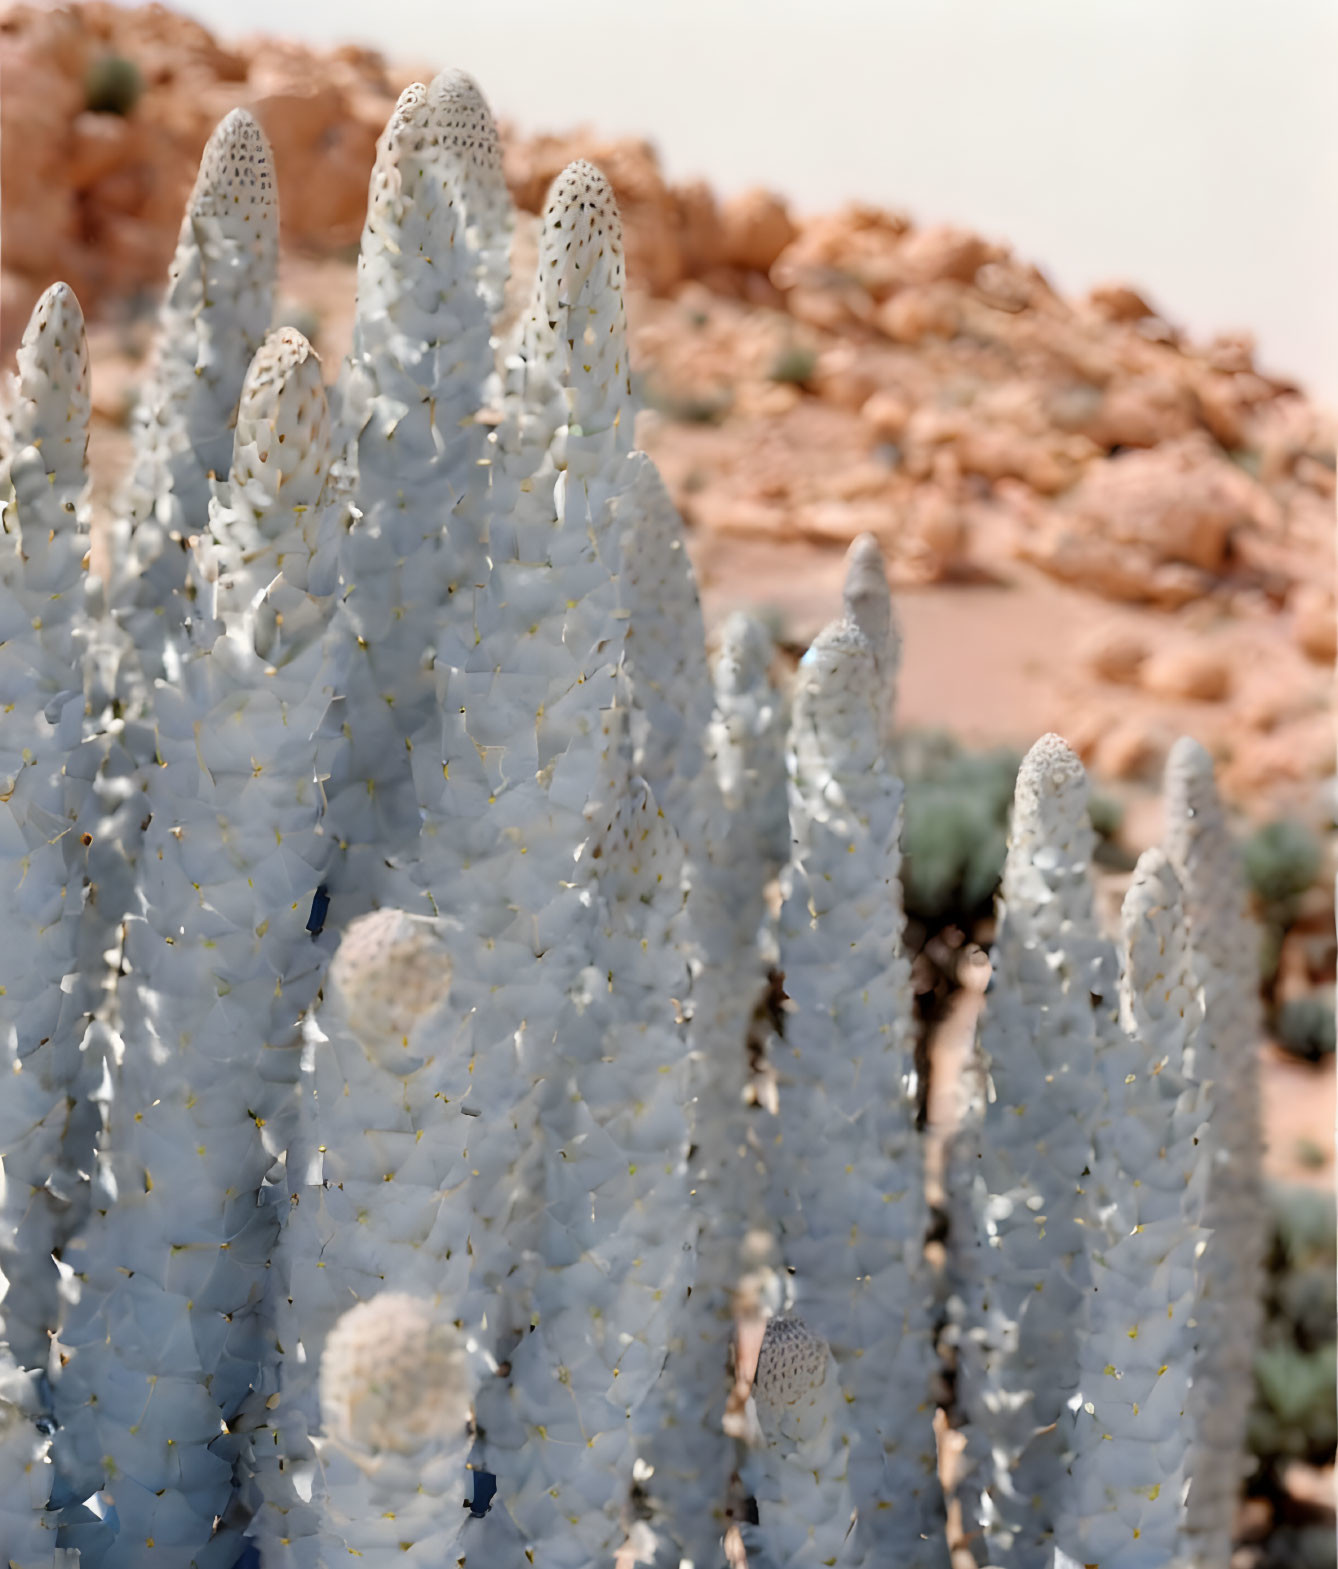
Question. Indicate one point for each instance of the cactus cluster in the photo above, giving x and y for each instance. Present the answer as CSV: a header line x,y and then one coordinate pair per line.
x,y
393,890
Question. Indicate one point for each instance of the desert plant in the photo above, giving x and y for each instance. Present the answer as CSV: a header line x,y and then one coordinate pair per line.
x,y
1304,1026
1294,1415
112,85
389,911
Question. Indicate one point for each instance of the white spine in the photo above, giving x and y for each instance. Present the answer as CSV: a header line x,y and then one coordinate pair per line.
x,y
396,1388
1131,1424
1225,945
847,1179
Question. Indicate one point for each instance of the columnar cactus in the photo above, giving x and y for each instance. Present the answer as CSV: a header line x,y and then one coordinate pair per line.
x,y
48,1117
220,296
169,1341
1019,1173
1225,954
292,1244
438,222
1124,1505
847,1168
801,1471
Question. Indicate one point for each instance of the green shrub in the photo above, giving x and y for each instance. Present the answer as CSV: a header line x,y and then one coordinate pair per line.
x,y
956,827
1295,1416
794,364
1305,1027
112,85
1282,859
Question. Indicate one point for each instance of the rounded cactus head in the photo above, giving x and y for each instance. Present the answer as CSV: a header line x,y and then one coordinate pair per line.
x,y
1050,802
576,330
790,1386
399,152
867,600
1160,998
281,449
235,187
395,1377
53,403
390,973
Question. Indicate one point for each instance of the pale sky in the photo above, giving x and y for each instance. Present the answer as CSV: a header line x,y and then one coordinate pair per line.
x,y
1188,146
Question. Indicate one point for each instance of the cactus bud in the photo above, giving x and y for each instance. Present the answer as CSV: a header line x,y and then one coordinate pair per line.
x,y
53,405
282,447
391,972
395,1377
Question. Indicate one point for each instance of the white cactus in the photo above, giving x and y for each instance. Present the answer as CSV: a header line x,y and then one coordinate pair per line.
x,y
1024,1211
438,222
290,1273
396,1387
1225,948
800,1473
53,936
1132,1421
847,1183
168,1337
220,296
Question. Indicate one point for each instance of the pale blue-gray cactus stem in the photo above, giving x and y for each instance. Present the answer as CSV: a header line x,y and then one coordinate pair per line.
x,y
567,408
1130,1426
396,1381
217,309
847,1166
733,847
1020,1264
666,662
51,973
506,788
374,1173
614,1252
1225,943
168,1356
800,1473
415,559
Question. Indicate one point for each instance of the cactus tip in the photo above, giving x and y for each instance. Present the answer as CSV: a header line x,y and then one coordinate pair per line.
x,y
237,162
868,602
283,420
1051,794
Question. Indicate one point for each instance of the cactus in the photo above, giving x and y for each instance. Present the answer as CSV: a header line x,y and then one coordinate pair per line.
x,y
801,1470
1225,946
396,1388
849,1191
51,1059
390,904
1132,1428
220,295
